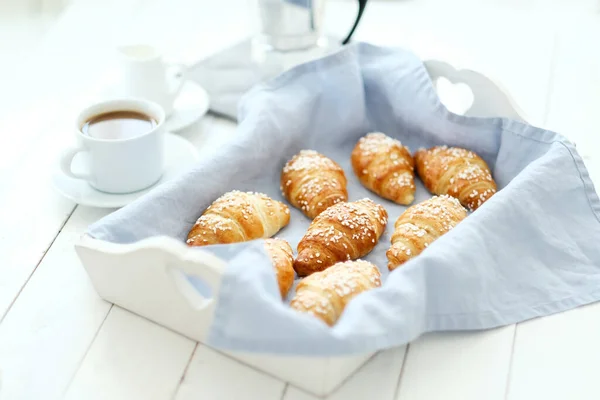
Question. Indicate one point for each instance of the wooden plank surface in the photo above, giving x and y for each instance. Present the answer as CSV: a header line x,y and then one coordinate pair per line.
x,y
573,101
378,378
556,357
459,366
131,358
51,325
211,375
56,317
31,214
31,211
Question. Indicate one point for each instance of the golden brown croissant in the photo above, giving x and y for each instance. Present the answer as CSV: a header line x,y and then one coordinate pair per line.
x,y
282,257
345,231
238,217
420,225
457,172
312,182
384,166
325,294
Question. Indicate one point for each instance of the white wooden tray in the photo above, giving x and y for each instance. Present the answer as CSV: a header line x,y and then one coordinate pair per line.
x,y
147,277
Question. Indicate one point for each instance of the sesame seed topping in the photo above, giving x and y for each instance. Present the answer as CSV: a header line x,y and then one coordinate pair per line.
x,y
321,182
338,284
360,221
422,223
372,143
309,160
222,216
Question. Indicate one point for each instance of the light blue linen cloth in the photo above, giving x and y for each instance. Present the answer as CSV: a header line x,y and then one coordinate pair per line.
x,y
531,250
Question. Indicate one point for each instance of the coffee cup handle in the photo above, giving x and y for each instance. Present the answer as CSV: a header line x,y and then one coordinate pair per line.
x,y
177,74
66,159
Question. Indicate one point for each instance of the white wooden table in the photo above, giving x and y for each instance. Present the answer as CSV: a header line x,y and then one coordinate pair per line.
x,y
58,339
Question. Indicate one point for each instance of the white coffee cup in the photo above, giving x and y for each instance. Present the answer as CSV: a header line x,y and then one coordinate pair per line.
x,y
146,75
119,165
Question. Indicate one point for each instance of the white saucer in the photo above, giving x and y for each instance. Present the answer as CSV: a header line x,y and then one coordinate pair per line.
x,y
180,155
191,105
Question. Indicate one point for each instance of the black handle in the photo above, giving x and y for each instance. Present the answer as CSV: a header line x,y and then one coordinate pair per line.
x,y
361,8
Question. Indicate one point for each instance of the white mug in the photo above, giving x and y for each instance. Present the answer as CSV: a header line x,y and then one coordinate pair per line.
x,y
119,165
147,76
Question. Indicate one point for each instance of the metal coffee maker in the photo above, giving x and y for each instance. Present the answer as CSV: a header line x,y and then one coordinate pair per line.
x,y
289,32
292,25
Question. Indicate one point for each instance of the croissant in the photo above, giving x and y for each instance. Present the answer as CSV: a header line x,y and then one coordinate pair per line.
x,y
420,225
384,166
345,231
282,257
457,172
312,182
238,217
325,294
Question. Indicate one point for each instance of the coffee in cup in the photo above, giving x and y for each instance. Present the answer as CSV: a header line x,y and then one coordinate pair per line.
x,y
122,142
117,125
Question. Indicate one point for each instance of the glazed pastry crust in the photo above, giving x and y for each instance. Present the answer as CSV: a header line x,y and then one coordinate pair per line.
x,y
386,167
313,182
457,172
420,225
345,231
325,294
282,257
238,217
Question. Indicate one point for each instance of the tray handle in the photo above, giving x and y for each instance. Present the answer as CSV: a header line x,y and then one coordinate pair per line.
x,y
159,278
490,98
196,275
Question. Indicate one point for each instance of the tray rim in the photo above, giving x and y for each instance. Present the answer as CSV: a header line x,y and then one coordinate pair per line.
x,y
331,371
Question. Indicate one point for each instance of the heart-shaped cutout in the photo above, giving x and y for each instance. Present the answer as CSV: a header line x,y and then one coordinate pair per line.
x,y
457,97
